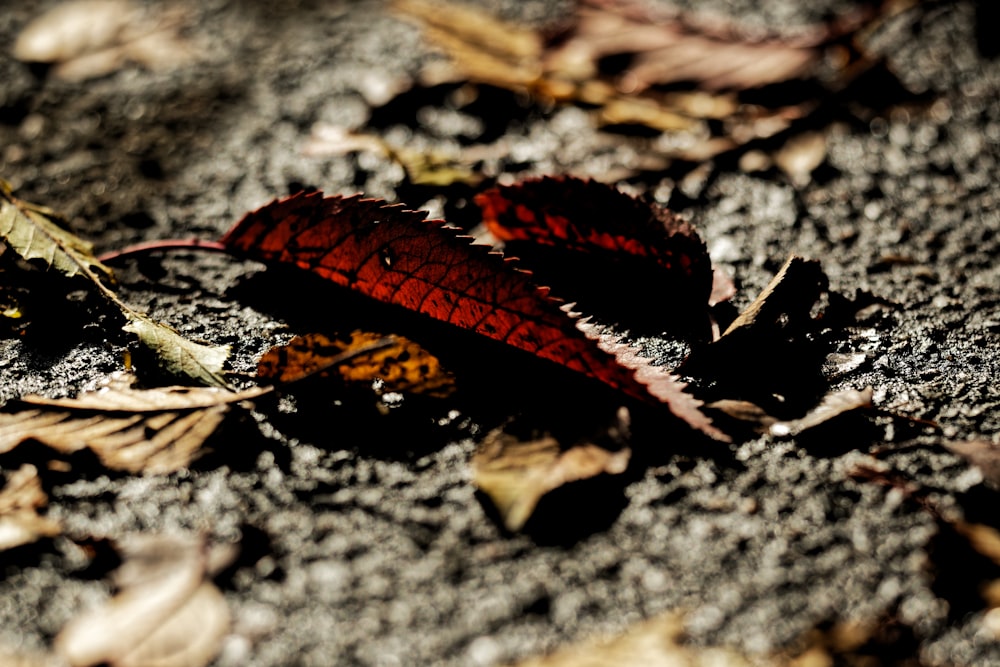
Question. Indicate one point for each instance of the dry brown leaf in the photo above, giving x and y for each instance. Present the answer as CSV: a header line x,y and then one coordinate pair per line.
x,y
515,473
166,614
20,500
154,431
670,53
85,39
397,363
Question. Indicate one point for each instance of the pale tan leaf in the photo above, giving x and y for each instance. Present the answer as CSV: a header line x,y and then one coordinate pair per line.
x,y
166,614
20,500
85,39
801,155
515,474
72,29
126,399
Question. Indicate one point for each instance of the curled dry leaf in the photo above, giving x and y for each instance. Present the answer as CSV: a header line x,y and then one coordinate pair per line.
x,y
395,256
153,430
399,364
658,642
167,612
20,500
515,473
789,297
36,233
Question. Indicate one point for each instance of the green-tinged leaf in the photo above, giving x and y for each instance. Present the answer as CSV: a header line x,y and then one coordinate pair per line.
x,y
33,233
178,355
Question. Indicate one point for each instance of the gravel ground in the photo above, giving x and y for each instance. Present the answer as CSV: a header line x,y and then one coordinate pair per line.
x,y
365,543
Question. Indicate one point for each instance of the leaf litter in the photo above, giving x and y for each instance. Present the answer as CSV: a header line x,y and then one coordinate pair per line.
x,y
703,84
397,257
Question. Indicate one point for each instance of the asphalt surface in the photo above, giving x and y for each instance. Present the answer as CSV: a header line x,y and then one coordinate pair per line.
x,y
364,541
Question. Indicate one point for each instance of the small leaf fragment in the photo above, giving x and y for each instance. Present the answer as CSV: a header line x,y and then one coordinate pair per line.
x,y
515,473
833,404
177,355
983,454
397,362
20,500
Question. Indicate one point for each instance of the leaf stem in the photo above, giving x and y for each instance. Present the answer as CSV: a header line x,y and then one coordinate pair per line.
x,y
163,246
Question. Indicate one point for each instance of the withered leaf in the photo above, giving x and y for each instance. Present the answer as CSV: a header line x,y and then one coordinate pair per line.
x,y
399,364
395,256
167,612
20,500
658,642
515,473
662,642
152,430
983,454
84,39
34,233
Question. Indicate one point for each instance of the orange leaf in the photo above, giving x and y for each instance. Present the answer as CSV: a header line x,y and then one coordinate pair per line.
x,y
400,364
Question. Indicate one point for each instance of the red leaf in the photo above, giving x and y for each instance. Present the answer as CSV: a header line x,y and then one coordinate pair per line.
x,y
615,255
395,256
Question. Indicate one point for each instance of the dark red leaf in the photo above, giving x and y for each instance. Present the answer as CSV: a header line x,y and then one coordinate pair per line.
x,y
396,256
613,254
